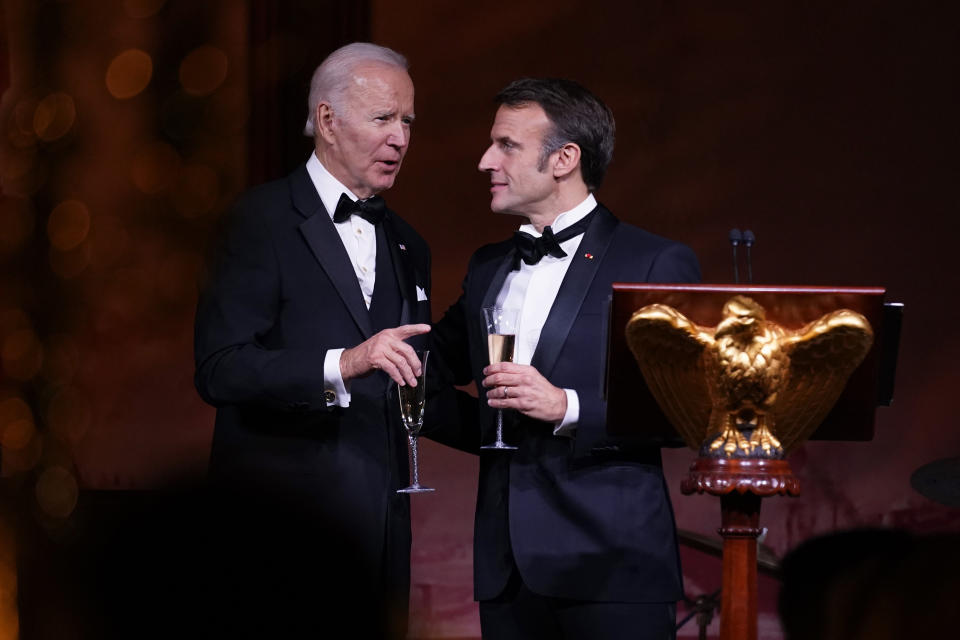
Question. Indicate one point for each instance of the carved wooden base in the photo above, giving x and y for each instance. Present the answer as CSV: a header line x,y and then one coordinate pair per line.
x,y
741,485
759,476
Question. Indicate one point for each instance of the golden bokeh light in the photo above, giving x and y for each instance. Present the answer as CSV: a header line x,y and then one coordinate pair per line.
x,y
16,224
155,167
129,73
16,424
197,191
69,415
19,461
142,8
22,354
57,492
68,225
21,133
54,116
203,70
70,264
17,435
61,359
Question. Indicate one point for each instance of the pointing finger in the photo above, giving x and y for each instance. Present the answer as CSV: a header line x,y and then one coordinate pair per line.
x,y
406,330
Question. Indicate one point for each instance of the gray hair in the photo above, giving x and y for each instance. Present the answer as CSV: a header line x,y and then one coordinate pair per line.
x,y
332,78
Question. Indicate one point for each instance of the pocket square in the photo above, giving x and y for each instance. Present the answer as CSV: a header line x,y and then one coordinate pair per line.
x,y
421,295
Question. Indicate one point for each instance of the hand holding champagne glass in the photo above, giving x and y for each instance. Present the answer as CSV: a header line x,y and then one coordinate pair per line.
x,y
501,327
412,401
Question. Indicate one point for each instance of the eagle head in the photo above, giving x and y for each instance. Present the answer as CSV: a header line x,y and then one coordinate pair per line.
x,y
741,316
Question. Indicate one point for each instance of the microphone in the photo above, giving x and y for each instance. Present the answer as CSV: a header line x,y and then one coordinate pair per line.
x,y
749,240
735,238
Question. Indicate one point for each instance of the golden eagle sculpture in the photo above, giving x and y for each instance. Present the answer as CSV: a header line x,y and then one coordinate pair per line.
x,y
752,386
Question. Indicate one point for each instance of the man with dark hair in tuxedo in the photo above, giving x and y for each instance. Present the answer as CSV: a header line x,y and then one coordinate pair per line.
x,y
316,301
574,534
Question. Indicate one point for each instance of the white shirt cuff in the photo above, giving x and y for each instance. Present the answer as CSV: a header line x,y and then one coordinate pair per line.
x,y
333,381
568,426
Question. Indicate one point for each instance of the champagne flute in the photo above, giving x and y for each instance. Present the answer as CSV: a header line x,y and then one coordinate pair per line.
x,y
501,327
412,400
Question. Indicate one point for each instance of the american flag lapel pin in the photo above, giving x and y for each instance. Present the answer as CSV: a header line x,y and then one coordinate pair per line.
x,y
588,256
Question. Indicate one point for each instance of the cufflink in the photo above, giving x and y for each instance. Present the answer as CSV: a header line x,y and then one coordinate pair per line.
x,y
329,396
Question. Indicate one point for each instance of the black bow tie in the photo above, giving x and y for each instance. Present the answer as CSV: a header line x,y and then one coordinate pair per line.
x,y
372,209
531,249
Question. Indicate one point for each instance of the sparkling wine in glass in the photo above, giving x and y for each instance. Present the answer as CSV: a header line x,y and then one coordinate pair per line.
x,y
501,327
412,400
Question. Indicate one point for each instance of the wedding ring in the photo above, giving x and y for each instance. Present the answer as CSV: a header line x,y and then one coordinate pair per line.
x,y
505,392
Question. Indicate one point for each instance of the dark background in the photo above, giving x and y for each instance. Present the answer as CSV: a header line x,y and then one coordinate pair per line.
x,y
827,128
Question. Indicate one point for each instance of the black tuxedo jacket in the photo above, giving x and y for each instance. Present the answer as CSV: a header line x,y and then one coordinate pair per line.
x,y
583,517
282,292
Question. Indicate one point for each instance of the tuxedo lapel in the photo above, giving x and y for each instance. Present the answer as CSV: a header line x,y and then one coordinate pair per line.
x,y
403,266
573,290
499,276
327,247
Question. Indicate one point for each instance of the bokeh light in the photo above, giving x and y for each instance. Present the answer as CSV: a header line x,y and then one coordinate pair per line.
x,y
22,354
203,70
68,225
57,492
54,116
69,415
16,424
21,132
17,435
197,191
129,73
17,461
142,8
16,224
155,167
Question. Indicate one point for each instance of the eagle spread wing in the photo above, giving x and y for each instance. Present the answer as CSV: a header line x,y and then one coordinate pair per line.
x,y
822,354
669,348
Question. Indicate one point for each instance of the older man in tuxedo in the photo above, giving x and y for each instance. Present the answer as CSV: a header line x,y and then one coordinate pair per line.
x,y
315,303
574,534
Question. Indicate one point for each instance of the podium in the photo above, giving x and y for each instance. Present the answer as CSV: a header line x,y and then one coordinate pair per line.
x,y
742,481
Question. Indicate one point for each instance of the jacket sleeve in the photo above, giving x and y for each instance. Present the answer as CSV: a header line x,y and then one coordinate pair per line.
x,y
452,415
237,310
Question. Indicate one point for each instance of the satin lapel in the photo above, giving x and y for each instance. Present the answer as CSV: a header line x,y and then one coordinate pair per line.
x,y
573,290
496,283
325,243
403,266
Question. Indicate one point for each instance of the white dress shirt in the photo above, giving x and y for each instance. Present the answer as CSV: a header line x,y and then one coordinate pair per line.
x,y
533,289
360,240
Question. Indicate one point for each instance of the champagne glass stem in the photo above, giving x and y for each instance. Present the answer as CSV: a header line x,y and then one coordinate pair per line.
x,y
499,426
416,464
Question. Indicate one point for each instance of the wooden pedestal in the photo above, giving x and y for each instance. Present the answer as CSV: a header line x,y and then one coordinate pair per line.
x,y
741,485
